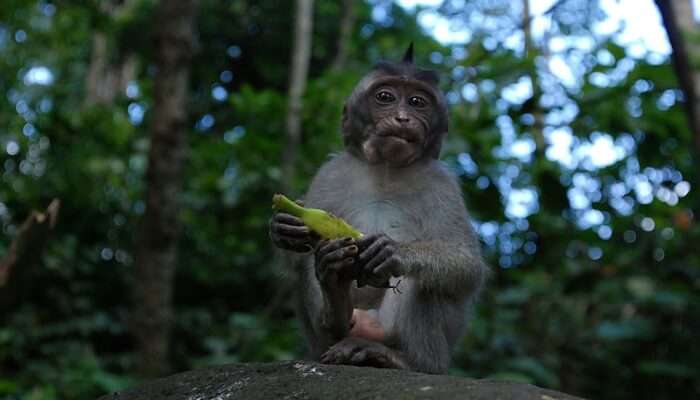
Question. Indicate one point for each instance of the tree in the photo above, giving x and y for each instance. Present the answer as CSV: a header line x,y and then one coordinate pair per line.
x,y
347,24
682,31
105,79
156,253
301,55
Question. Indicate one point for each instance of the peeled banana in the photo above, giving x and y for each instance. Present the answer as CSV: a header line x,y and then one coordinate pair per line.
x,y
327,225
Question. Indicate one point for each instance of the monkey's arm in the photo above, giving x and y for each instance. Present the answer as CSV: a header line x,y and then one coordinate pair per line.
x,y
326,297
445,256
450,268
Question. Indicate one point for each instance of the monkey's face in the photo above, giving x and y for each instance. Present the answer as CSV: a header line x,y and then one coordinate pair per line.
x,y
401,114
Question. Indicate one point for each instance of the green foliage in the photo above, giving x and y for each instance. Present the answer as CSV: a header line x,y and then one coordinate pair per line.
x,y
595,282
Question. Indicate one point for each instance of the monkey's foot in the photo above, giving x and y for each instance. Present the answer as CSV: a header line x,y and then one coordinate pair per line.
x,y
362,352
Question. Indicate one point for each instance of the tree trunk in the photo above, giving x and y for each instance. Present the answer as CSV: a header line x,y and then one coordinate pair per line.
x,y
678,21
345,35
105,79
681,28
301,55
156,252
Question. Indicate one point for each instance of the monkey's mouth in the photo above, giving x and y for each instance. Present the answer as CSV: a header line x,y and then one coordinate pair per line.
x,y
401,137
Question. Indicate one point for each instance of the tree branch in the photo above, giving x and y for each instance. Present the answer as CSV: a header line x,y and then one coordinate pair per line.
x,y
29,242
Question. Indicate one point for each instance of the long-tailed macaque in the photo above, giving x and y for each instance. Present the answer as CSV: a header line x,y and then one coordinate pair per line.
x,y
419,255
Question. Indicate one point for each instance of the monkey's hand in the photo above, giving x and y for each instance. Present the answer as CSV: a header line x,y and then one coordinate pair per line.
x,y
363,352
290,233
378,260
335,262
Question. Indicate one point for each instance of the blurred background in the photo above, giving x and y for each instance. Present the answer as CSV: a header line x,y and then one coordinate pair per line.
x,y
575,132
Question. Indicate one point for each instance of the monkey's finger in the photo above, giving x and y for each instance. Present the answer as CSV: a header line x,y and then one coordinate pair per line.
x,y
288,219
359,358
345,351
299,245
387,267
320,247
342,265
329,358
341,253
367,240
384,254
291,230
374,248
334,355
325,356
329,246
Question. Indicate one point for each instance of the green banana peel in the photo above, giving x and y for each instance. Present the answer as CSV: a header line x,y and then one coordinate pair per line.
x,y
327,225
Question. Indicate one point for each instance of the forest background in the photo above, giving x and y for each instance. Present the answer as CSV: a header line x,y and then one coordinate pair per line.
x,y
163,129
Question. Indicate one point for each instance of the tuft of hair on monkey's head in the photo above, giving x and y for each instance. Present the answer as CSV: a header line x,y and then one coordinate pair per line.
x,y
360,125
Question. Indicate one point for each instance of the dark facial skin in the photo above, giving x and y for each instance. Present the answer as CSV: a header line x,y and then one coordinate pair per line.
x,y
417,236
401,113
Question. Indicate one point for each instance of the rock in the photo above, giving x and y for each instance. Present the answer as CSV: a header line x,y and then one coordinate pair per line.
x,y
296,380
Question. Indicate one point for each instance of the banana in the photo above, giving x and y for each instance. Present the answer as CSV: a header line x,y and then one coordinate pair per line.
x,y
327,225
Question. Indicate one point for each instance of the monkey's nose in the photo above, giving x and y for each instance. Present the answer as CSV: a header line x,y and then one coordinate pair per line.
x,y
402,119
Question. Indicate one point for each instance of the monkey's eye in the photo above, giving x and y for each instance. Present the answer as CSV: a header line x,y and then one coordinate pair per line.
x,y
417,101
385,97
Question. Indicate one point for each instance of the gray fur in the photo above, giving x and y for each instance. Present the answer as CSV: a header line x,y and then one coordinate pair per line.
x,y
418,206
421,208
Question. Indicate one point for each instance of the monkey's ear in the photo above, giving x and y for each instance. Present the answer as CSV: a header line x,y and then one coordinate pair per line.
x,y
408,55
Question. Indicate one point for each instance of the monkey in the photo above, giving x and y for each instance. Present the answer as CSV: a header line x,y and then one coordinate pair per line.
x,y
389,184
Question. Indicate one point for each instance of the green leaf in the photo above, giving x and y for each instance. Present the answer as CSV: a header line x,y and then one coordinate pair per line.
x,y
666,368
632,329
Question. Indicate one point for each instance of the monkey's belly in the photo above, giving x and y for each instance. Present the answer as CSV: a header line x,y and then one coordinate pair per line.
x,y
385,216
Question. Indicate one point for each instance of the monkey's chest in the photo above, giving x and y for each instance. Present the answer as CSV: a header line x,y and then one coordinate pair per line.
x,y
385,216
382,216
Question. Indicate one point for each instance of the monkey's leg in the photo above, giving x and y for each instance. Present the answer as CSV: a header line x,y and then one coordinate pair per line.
x,y
425,326
365,324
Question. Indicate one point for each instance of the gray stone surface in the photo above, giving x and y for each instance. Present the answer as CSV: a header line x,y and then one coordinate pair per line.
x,y
307,380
